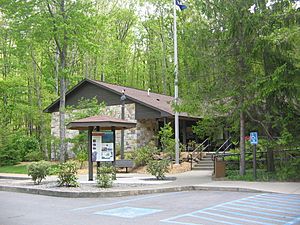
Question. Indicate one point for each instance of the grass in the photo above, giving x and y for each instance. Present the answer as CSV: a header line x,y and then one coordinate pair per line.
x,y
21,169
262,175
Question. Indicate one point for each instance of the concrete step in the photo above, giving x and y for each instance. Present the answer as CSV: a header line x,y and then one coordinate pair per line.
x,y
206,168
205,162
206,159
203,166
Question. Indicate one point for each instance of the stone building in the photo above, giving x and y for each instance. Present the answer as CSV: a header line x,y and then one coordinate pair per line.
x,y
149,110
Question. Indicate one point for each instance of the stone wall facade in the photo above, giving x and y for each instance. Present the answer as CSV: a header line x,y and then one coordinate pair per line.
x,y
144,131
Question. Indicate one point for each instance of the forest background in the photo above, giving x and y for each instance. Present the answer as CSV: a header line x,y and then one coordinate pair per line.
x,y
239,62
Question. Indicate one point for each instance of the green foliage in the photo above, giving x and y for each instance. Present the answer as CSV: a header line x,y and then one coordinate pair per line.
x,y
209,127
167,141
85,108
105,176
290,171
38,171
262,175
144,154
34,156
80,147
231,61
18,148
158,168
9,156
67,174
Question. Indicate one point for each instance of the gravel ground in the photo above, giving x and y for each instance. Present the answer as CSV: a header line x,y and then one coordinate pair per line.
x,y
83,187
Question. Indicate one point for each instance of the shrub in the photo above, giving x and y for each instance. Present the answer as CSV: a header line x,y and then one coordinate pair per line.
x,y
16,147
38,171
80,148
67,174
167,141
9,157
144,154
158,168
290,172
105,176
34,156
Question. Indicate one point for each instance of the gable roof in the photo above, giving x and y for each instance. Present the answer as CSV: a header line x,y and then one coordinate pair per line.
x,y
159,102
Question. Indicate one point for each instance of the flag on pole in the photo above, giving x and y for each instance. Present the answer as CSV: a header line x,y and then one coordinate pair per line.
x,y
180,5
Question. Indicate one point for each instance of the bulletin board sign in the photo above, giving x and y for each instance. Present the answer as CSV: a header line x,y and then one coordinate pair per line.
x,y
102,146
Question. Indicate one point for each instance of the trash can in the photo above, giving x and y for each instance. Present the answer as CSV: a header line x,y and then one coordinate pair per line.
x,y
219,168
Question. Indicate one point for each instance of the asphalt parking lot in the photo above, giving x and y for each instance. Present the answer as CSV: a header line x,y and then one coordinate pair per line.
x,y
190,208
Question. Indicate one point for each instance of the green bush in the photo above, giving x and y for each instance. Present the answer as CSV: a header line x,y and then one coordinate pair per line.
x,y
105,176
290,172
144,154
9,157
80,147
67,174
34,156
16,147
158,168
25,145
167,141
38,171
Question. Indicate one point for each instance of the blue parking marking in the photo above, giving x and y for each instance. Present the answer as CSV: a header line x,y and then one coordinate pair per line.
x,y
262,204
291,202
266,209
274,203
128,212
285,196
233,218
295,221
247,215
214,220
256,212
263,208
173,220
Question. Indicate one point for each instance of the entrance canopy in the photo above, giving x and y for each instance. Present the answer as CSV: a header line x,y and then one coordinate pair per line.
x,y
104,122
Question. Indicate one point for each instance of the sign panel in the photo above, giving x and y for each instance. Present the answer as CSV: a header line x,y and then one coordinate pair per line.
x,y
102,147
107,148
253,138
96,148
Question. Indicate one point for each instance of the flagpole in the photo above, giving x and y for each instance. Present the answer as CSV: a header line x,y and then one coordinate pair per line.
x,y
176,88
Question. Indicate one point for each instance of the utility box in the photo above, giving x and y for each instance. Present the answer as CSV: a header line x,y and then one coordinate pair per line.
x,y
219,168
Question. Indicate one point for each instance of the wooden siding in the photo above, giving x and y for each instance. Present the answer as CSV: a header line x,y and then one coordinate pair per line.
x,y
143,112
89,91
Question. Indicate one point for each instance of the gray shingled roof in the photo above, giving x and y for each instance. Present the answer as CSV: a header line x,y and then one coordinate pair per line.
x,y
155,101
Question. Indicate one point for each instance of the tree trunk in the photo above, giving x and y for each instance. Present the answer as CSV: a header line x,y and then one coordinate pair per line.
x,y
242,143
62,99
62,128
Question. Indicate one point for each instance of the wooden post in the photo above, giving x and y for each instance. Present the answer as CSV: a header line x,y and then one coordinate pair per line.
x,y
184,132
90,161
114,141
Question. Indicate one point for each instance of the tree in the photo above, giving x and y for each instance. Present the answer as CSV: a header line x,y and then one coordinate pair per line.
x,y
229,83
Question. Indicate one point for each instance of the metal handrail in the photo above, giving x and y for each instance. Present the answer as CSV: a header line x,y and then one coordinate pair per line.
x,y
197,151
222,145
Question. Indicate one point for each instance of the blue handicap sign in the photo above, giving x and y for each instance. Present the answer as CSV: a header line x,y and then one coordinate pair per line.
x,y
254,138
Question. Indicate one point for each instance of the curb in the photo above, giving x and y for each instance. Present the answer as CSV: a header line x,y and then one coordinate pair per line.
x,y
14,178
104,194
